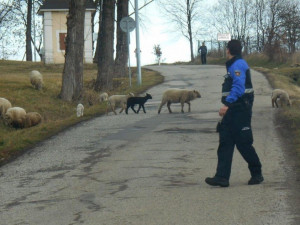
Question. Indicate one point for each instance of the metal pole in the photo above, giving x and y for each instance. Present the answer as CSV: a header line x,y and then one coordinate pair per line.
x,y
128,42
33,14
137,32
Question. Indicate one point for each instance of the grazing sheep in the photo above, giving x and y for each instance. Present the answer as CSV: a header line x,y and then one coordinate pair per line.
x,y
103,97
15,117
282,95
118,100
178,96
132,101
79,110
32,119
4,106
36,79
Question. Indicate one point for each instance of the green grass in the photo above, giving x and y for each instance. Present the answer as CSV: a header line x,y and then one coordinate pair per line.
x,y
57,114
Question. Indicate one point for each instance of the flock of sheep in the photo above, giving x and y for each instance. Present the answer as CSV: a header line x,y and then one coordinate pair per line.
x,y
129,101
18,118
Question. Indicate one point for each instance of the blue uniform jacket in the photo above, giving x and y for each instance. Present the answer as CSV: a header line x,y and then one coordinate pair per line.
x,y
237,71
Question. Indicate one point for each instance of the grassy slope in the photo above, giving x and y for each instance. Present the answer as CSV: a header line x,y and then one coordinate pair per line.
x,y
57,114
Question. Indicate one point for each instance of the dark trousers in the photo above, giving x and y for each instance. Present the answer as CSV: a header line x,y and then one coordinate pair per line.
x,y
203,58
235,130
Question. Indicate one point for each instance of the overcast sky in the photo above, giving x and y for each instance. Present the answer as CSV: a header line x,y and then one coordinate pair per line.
x,y
156,30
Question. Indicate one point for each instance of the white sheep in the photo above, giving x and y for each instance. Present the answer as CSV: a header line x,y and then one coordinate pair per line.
x,y
36,79
32,119
282,95
15,117
118,101
4,106
103,97
176,95
79,110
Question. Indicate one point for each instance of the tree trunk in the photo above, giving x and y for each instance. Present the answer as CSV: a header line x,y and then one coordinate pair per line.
x,y
106,47
28,32
72,82
190,33
100,5
121,61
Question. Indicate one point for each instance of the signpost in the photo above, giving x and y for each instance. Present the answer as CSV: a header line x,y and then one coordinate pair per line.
x,y
127,25
224,37
138,51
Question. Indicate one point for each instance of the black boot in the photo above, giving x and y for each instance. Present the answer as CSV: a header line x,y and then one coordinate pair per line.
x,y
256,180
217,181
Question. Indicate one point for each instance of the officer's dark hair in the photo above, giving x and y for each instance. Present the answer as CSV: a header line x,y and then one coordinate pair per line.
x,y
235,47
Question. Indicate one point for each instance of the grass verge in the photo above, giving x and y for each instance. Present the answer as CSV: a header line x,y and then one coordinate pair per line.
x,y
57,115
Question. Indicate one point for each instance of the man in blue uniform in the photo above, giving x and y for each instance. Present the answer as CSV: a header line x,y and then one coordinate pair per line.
x,y
235,127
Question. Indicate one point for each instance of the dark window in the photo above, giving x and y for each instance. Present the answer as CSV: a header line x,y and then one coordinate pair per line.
x,y
62,41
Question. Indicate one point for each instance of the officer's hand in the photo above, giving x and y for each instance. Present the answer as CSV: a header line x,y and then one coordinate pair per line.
x,y
223,110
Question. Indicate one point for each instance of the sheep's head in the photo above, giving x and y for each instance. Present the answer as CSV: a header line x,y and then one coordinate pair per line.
x,y
148,96
7,120
196,94
40,86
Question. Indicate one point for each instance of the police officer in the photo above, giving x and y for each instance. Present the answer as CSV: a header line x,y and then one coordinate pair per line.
x,y
235,127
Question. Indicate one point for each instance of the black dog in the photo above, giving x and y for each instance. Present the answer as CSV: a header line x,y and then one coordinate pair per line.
x,y
132,101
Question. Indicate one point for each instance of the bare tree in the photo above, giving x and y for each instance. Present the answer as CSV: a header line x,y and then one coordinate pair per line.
x,y
157,52
184,15
272,45
72,80
289,16
121,60
106,47
99,4
6,16
234,17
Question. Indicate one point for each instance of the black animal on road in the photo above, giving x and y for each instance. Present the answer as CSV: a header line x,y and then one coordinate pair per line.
x,y
132,101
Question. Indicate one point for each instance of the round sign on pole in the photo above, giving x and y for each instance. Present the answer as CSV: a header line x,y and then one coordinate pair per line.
x,y
127,24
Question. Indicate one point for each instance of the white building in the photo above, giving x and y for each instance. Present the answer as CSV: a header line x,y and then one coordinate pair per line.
x,y
54,14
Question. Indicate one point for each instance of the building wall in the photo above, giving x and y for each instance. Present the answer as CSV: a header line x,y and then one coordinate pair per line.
x,y
55,23
59,25
48,49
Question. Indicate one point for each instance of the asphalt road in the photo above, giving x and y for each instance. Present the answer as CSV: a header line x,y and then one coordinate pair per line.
x,y
149,169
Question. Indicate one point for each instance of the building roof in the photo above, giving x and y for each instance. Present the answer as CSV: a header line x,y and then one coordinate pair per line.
x,y
59,5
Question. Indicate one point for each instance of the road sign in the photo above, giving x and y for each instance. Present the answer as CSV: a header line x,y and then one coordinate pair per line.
x,y
224,37
127,24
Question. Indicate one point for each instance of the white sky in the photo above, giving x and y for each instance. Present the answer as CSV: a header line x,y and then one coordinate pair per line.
x,y
155,30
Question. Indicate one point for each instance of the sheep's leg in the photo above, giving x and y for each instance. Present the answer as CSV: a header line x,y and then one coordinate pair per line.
x,y
113,108
126,110
132,107
108,104
189,106
143,108
161,105
182,105
273,101
276,103
169,108
123,107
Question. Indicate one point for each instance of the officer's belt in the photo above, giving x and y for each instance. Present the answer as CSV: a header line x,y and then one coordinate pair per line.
x,y
247,91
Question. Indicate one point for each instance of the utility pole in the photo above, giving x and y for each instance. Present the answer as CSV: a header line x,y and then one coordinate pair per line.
x,y
138,50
